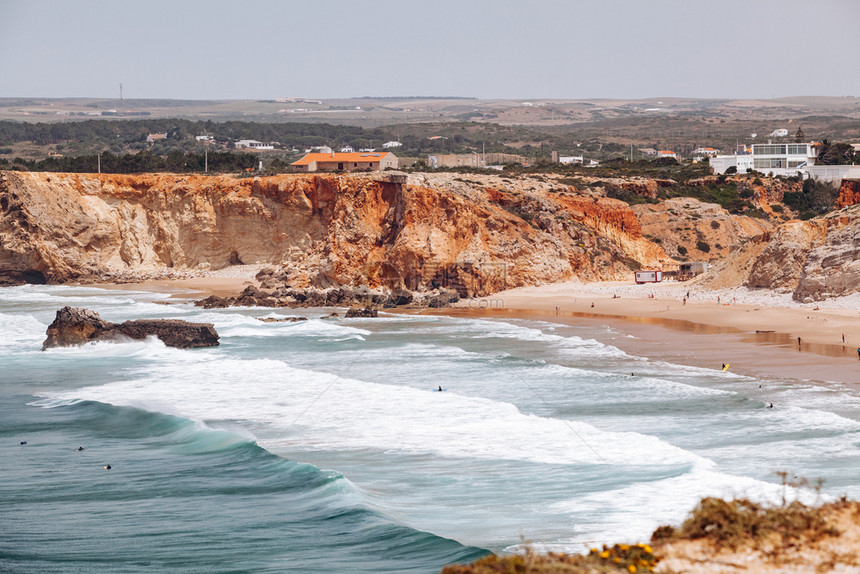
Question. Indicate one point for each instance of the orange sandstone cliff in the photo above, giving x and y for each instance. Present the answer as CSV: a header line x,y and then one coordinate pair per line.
x,y
357,229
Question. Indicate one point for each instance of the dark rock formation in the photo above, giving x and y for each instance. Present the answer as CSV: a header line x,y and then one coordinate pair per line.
x,y
340,296
357,312
281,319
76,326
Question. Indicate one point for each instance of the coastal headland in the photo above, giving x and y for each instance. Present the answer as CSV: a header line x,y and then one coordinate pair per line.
x,y
780,293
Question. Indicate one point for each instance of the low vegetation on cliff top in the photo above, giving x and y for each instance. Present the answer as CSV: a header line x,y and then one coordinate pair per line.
x,y
766,537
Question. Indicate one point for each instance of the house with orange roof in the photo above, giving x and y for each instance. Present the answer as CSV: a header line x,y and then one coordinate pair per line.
x,y
354,161
705,151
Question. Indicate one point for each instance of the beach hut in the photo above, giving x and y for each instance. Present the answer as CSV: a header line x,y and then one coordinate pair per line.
x,y
648,276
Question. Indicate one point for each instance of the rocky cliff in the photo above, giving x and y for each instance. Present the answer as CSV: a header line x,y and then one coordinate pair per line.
x,y
849,193
701,231
813,259
370,229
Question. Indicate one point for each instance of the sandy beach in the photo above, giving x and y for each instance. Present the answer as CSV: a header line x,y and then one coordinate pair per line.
x,y
755,331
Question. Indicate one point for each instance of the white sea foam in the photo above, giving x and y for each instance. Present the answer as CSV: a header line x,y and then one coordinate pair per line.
x,y
21,331
537,428
338,413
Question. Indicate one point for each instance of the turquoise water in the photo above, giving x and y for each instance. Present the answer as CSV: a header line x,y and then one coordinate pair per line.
x,y
321,446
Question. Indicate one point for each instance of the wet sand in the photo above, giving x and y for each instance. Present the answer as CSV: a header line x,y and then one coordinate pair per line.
x,y
753,339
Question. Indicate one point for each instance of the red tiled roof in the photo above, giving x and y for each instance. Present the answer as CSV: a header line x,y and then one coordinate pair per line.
x,y
354,157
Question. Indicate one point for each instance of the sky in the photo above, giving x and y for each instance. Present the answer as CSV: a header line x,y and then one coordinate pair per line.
x,y
488,49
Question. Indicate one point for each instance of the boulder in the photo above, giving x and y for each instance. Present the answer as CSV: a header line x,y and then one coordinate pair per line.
x,y
76,326
358,312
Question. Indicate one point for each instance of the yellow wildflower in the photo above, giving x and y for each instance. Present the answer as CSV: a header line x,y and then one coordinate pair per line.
x,y
631,568
648,549
604,554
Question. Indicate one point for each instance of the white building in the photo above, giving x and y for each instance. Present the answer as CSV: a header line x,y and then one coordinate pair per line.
x,y
253,144
779,133
204,138
834,173
770,158
391,144
667,153
705,152
570,159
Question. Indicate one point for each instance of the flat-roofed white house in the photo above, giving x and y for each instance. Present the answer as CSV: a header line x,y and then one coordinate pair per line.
x,y
770,158
253,144
356,161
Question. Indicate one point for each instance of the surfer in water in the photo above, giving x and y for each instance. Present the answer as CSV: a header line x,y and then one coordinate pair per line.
x,y
440,389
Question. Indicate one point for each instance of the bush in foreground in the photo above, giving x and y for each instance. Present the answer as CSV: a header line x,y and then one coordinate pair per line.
x,y
719,536
618,558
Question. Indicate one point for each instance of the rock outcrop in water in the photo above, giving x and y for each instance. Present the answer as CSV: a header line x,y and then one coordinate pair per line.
x,y
76,326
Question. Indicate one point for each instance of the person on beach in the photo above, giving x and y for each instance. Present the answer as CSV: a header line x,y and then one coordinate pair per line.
x,y
858,352
843,338
684,302
592,305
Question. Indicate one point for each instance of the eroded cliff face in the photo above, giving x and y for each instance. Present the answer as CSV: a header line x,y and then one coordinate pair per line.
x,y
813,259
849,193
705,231
372,229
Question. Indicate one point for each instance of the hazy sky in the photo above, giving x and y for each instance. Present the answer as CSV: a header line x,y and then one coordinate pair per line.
x,y
255,49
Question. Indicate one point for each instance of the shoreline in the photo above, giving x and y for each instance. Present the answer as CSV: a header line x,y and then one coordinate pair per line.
x,y
756,336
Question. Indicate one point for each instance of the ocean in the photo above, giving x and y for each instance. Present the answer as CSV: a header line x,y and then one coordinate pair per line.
x,y
325,445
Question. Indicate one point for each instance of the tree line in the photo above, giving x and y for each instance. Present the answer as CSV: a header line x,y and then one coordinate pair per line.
x,y
175,162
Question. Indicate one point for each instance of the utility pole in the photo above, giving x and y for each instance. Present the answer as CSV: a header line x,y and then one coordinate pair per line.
x,y
100,161
206,159
121,97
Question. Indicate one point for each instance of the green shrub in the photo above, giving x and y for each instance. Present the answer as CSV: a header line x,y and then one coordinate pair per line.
x,y
682,250
702,246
